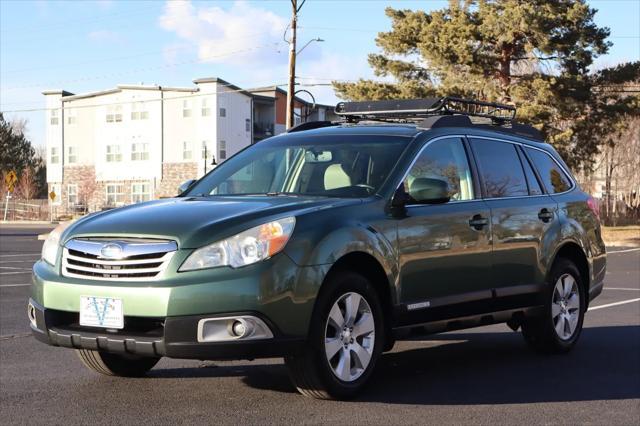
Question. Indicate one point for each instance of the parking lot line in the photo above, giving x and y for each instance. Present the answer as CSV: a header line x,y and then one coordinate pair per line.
x,y
16,273
609,305
14,285
621,288
624,251
19,255
15,268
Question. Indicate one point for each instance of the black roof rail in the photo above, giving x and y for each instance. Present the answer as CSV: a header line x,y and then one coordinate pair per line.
x,y
437,112
309,125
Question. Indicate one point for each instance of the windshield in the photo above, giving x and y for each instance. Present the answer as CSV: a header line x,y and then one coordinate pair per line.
x,y
315,168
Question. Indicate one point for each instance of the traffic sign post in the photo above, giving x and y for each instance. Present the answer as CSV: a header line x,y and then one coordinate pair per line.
x,y
52,197
10,180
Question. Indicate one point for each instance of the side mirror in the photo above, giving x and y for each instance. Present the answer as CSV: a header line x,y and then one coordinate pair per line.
x,y
185,185
429,191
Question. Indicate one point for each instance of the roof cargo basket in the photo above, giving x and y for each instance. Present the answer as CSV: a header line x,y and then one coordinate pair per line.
x,y
437,112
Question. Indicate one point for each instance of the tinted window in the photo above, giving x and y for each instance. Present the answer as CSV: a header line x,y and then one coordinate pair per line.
x,y
532,180
553,178
500,168
444,160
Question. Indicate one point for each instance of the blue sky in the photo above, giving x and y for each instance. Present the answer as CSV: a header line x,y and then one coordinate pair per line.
x,y
83,46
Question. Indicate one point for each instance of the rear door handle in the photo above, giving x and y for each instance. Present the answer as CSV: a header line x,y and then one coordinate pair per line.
x,y
477,222
545,215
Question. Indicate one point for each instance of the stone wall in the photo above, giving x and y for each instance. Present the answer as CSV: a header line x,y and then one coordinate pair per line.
x,y
173,174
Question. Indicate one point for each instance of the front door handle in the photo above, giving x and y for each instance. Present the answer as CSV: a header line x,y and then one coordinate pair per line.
x,y
545,215
477,222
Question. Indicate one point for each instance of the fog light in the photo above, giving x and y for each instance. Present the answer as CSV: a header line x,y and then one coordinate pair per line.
x,y
31,313
238,328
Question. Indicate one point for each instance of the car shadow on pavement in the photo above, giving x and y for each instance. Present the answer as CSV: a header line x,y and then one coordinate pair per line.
x,y
481,368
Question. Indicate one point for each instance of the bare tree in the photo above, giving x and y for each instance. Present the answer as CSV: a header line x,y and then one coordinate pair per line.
x,y
27,186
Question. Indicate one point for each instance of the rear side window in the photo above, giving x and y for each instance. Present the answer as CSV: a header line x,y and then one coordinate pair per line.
x,y
500,169
553,177
532,180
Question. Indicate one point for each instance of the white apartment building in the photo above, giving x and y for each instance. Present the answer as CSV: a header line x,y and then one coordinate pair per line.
x,y
137,142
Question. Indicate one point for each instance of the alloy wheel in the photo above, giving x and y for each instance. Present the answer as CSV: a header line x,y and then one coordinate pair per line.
x,y
349,337
565,306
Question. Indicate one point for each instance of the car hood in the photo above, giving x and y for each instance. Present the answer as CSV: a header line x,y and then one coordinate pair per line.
x,y
194,222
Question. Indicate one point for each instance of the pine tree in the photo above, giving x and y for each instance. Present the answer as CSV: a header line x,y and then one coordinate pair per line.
x,y
535,54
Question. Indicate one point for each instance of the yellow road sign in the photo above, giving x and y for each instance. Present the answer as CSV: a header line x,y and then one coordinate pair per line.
x,y
52,195
10,180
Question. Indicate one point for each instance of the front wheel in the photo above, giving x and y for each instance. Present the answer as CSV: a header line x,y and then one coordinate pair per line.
x,y
116,365
557,331
345,340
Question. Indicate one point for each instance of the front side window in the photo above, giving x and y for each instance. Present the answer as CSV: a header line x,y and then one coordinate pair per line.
x,y
139,151
442,164
113,154
553,177
353,167
115,194
55,155
500,169
72,155
72,194
140,192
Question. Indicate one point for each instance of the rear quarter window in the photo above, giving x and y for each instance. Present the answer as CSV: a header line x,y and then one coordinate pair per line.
x,y
554,179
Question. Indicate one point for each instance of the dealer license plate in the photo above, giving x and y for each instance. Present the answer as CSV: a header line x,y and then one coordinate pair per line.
x,y
104,312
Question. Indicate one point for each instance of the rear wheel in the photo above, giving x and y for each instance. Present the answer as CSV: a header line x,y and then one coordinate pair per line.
x,y
116,365
557,331
345,340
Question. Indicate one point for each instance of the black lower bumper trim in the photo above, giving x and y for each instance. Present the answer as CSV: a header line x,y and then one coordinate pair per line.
x,y
178,339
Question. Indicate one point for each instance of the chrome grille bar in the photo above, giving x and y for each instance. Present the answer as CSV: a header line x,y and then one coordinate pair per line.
x,y
136,261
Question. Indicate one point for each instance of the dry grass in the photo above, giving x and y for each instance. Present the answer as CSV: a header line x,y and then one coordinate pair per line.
x,y
621,235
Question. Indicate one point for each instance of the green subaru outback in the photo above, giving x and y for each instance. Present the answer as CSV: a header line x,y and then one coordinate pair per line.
x,y
328,243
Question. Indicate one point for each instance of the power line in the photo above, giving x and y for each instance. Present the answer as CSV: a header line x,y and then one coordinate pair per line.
x,y
116,74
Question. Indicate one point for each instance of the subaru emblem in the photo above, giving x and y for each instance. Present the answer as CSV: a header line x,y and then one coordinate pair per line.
x,y
111,251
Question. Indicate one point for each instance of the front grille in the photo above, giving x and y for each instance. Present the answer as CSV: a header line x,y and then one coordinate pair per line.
x,y
139,260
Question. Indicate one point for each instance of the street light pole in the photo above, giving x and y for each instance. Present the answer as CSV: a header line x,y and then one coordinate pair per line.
x,y
292,64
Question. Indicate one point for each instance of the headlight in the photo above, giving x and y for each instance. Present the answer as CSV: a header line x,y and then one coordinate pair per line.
x,y
51,244
245,248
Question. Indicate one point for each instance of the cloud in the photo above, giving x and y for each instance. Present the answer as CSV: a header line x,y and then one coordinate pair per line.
x,y
242,34
105,36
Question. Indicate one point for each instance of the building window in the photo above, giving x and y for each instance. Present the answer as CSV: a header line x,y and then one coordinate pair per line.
x,y
222,150
206,109
72,155
186,108
206,151
139,111
113,154
72,116
140,192
115,194
55,155
223,112
54,118
72,194
114,113
187,154
139,151
247,125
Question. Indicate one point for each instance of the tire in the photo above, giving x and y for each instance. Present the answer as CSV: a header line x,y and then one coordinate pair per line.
x,y
316,373
116,365
558,329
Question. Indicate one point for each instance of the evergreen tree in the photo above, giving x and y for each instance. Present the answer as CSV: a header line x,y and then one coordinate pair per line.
x,y
535,54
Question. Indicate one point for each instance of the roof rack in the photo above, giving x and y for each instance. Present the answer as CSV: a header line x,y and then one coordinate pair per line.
x,y
437,112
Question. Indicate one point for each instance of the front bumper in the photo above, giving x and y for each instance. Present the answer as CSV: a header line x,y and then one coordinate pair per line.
x,y
173,337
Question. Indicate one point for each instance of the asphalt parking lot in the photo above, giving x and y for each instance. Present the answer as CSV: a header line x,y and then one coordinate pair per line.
x,y
480,376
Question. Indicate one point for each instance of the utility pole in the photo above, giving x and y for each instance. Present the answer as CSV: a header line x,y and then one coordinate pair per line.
x,y
292,61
